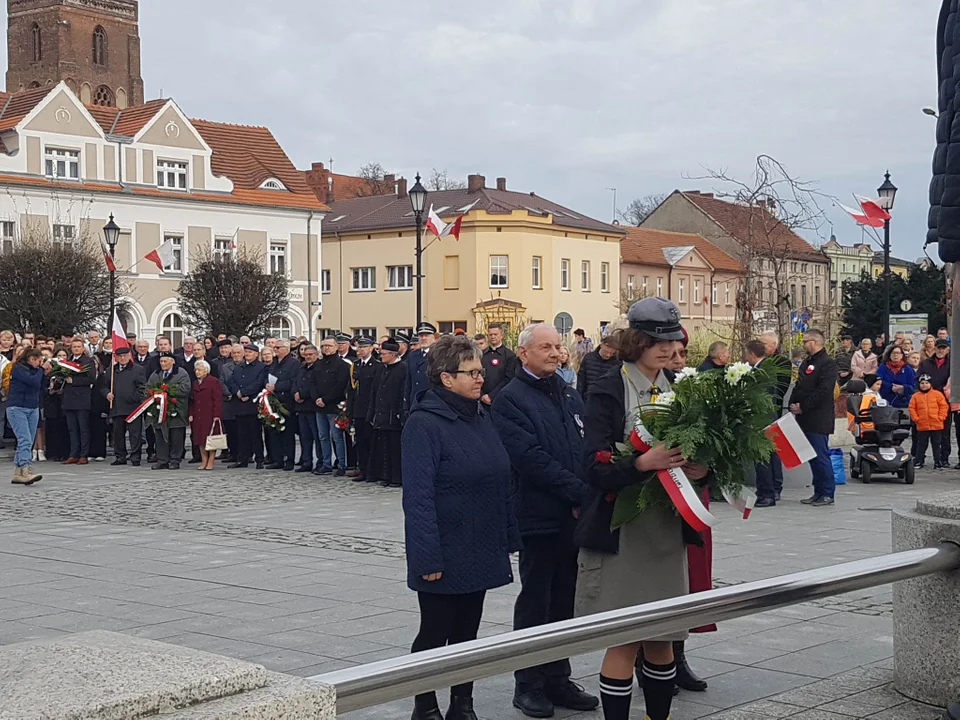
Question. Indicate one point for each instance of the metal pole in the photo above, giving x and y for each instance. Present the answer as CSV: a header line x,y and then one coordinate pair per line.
x,y
113,290
419,269
886,281
403,677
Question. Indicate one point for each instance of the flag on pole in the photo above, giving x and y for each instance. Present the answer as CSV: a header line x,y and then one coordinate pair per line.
x,y
454,228
861,218
873,208
118,334
162,256
790,443
107,257
434,224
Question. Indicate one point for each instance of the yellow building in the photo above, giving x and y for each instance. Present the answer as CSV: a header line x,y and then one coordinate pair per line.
x,y
898,266
520,258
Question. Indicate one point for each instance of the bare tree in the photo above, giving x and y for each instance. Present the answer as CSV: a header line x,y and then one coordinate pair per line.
x,y
640,208
630,295
374,177
440,180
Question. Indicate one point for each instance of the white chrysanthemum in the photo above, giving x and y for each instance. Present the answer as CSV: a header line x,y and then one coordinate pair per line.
x,y
666,398
687,372
735,372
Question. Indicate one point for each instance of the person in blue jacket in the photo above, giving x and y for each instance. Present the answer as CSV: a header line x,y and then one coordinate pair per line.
x,y
23,410
245,383
459,522
417,380
898,381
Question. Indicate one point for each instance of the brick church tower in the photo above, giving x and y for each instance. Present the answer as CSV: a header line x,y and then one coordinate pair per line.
x,y
93,45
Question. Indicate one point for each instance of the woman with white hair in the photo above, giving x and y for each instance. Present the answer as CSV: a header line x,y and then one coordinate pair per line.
x,y
206,412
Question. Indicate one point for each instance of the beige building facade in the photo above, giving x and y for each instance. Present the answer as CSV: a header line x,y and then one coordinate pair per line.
x,y
209,188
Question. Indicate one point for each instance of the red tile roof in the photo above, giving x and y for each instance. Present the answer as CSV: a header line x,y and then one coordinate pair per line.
x,y
18,105
752,225
645,246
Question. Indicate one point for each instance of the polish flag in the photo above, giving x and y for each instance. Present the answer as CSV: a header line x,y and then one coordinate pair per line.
x,y
790,443
873,208
162,256
111,265
435,225
454,228
861,217
118,335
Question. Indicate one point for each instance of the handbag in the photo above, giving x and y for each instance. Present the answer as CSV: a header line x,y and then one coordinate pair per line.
x,y
216,441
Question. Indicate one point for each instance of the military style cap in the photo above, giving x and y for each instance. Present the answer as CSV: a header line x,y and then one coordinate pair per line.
x,y
402,337
426,329
365,341
657,317
251,347
122,351
342,337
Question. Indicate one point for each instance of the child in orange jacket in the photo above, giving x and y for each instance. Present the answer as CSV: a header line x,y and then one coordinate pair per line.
x,y
928,409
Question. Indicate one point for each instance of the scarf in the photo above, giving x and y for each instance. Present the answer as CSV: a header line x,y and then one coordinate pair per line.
x,y
895,367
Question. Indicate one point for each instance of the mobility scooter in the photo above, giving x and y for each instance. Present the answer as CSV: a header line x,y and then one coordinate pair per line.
x,y
879,430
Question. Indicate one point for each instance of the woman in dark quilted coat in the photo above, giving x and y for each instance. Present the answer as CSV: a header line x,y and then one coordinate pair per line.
x,y
944,220
460,524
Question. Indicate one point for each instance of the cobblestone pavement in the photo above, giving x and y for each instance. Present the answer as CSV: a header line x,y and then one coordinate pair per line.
x,y
306,575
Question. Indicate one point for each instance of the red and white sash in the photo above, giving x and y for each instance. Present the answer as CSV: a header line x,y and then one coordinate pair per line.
x,y
158,397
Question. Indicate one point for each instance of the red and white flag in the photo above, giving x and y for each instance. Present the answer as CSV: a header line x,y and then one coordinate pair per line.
x,y
162,256
454,228
118,335
861,217
873,208
107,257
790,443
434,224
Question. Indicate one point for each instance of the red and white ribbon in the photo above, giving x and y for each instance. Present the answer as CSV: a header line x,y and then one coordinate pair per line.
x,y
264,402
158,397
742,503
69,365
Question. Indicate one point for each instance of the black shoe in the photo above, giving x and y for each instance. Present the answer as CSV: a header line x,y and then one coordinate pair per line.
x,y
766,502
822,502
135,463
160,466
119,462
259,464
238,465
571,696
304,468
937,466
372,480
777,497
323,470
359,478
194,461
918,465
534,704
811,500
228,459
340,472
151,458
461,708
431,714
272,466
686,678
174,466
287,467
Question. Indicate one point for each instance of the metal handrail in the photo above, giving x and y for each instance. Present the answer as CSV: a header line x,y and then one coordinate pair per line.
x,y
403,677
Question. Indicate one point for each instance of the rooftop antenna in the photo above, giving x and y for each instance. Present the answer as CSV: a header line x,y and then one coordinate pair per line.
x,y
331,164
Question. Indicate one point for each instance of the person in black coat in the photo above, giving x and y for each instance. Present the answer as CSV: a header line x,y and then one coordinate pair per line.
x,y
540,422
386,416
499,362
358,404
285,370
812,403
305,405
55,422
245,383
596,364
100,408
129,381
76,402
417,380
459,522
332,378
944,218
230,403
718,355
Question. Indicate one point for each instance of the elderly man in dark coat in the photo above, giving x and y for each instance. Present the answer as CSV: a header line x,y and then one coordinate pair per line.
x,y
285,370
129,380
76,403
245,383
172,435
386,416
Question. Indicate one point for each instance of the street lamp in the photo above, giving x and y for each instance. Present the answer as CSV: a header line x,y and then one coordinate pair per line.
x,y
111,233
888,194
932,112
418,201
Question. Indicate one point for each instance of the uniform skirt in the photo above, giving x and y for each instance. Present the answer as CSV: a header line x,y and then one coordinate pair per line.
x,y
385,456
651,566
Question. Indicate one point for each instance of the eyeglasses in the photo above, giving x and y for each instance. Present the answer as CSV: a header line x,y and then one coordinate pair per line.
x,y
481,373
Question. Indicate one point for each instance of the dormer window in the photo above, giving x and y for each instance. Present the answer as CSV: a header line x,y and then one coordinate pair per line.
x,y
272,184
172,174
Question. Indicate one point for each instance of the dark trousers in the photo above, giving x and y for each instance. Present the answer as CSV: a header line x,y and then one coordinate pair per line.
x,y
283,445
249,439
308,438
776,467
945,441
363,433
98,435
765,486
447,620
170,445
123,430
151,437
351,449
924,438
548,583
233,438
78,425
824,484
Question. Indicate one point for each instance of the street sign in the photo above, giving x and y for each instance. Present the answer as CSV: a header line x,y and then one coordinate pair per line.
x,y
912,326
316,303
906,305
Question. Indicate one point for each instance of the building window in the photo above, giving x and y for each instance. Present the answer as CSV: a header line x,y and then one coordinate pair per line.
x,y
400,277
326,332
279,327
803,268
64,234
7,234
714,294
793,267
278,258
696,292
535,272
408,331
726,293
499,271
449,326
62,164
37,43
605,277
222,249
364,279
643,287
104,97
172,327
844,267
177,242
171,174
803,296
564,274
99,46
816,295
585,275
325,281
630,283
451,272
793,297
681,285
659,286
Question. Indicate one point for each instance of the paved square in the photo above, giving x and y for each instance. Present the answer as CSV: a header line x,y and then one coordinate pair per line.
x,y
306,575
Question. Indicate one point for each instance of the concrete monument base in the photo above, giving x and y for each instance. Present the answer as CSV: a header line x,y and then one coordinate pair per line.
x,y
108,676
926,610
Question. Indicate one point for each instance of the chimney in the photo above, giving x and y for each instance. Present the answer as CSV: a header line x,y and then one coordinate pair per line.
x,y
706,195
476,183
402,187
317,167
501,183
389,181
691,192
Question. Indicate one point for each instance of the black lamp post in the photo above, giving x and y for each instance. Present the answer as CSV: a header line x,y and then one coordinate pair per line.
x,y
887,193
111,233
418,201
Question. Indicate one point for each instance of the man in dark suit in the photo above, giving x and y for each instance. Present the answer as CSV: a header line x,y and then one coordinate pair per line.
x,y
343,346
141,353
76,403
285,372
129,380
386,416
142,357
358,404
305,404
417,380
499,362
245,383
812,403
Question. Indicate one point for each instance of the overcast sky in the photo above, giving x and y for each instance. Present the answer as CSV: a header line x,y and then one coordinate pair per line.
x,y
570,97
